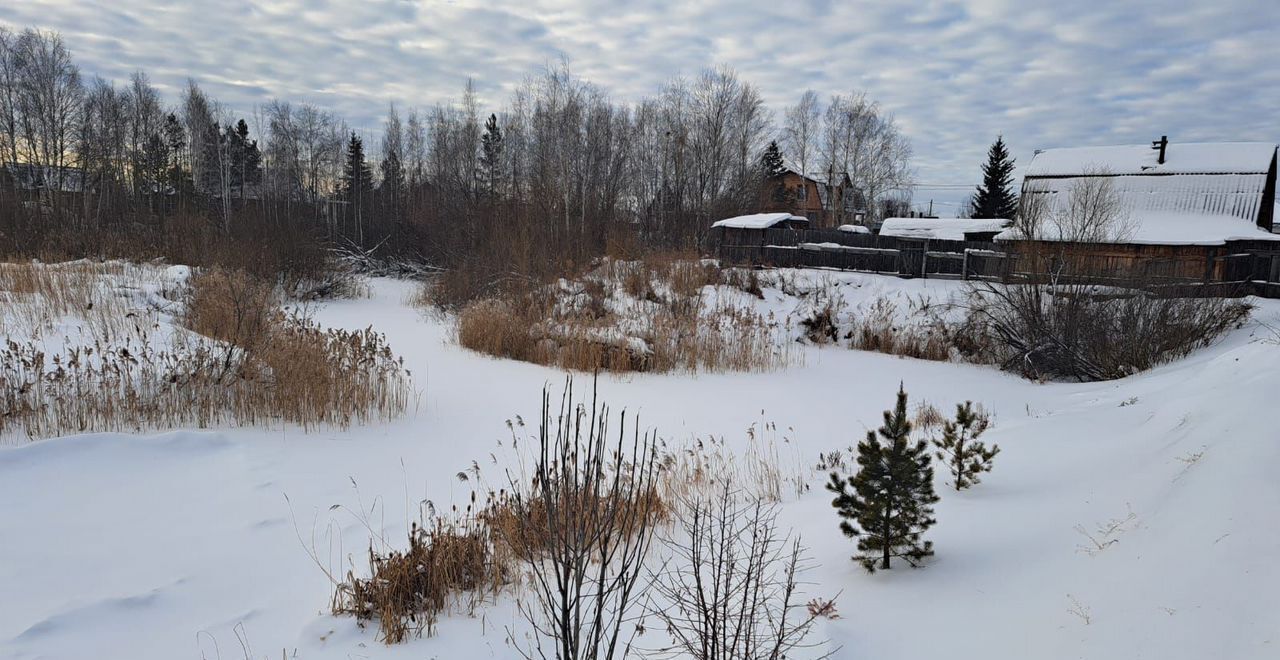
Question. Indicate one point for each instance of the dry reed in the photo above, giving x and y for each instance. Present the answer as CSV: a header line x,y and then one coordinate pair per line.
x,y
657,315
455,563
123,367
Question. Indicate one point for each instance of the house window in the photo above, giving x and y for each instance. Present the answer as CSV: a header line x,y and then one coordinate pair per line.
x,y
802,193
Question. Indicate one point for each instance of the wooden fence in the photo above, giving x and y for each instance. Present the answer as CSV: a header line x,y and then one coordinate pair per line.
x,y
1245,270
828,248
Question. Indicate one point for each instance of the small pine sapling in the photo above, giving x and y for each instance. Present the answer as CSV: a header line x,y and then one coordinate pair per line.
x,y
888,504
960,450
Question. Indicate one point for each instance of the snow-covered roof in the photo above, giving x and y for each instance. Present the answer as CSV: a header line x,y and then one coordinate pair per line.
x,y
946,229
1164,228
758,220
1131,159
854,229
1231,195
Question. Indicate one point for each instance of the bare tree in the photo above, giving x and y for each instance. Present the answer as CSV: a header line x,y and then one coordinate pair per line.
x,y
198,116
588,525
49,96
801,132
102,151
862,143
9,107
1090,210
731,590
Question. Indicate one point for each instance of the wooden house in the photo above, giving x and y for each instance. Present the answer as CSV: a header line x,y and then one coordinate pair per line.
x,y
1185,211
823,204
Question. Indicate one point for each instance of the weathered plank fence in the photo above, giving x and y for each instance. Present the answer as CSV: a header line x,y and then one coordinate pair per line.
x,y
1242,270
825,248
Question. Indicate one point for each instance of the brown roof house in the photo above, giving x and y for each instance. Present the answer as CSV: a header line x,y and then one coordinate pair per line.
x,y
825,205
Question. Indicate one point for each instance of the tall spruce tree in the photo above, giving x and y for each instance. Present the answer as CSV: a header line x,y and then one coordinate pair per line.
x,y
357,183
491,157
772,167
771,162
960,450
995,197
888,504
246,159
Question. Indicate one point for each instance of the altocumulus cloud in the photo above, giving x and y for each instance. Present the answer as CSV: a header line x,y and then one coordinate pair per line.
x,y
955,74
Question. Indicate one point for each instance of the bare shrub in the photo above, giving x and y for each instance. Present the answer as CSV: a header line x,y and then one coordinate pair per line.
x,y
588,512
589,505
731,590
820,327
1085,332
1061,322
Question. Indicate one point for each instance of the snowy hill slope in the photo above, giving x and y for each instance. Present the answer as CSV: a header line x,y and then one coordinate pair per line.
x,y
166,545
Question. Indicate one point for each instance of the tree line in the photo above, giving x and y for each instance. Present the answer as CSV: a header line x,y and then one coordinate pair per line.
x,y
560,165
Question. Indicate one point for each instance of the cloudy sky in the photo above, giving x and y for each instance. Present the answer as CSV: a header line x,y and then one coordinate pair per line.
x,y
955,74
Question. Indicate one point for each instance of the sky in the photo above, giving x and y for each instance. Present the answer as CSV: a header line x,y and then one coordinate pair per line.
x,y
954,74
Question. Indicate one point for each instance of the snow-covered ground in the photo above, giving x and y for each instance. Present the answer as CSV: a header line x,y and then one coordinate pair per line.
x,y
182,544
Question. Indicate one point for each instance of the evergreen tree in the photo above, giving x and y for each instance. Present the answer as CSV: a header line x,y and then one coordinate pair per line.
x,y
888,504
178,177
965,457
995,197
357,177
772,168
357,184
246,159
491,156
771,162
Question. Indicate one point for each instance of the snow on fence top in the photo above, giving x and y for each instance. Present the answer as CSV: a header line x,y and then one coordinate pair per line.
x,y
1140,159
759,220
854,229
944,229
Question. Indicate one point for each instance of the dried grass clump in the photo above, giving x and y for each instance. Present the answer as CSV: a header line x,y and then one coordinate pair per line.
x,y
584,501
655,315
880,329
244,363
101,297
588,493
447,566
496,327
292,368
928,416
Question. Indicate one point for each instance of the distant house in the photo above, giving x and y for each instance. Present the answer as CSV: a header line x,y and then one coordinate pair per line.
x,y
1185,205
45,177
943,229
822,204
